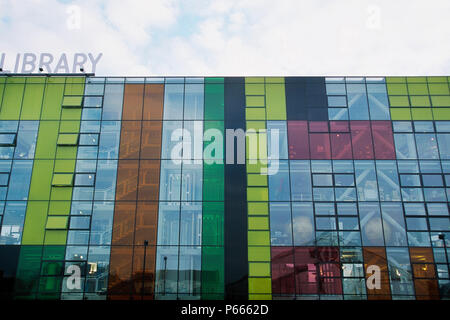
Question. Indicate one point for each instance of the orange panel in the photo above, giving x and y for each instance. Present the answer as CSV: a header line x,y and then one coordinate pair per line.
x,y
153,102
148,180
133,100
421,255
146,223
130,138
124,219
120,270
149,276
426,289
127,178
151,140
377,256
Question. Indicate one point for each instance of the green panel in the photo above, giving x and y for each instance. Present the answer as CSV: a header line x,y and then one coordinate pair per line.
x,y
57,222
70,139
261,238
32,102
398,101
421,114
28,270
256,167
254,80
36,80
212,80
62,180
52,268
255,125
63,166
259,253
261,296
257,194
256,180
258,223
439,88
51,108
35,220
213,182
395,79
258,208
274,80
12,102
436,79
16,80
440,101
59,208
276,101
259,269
212,223
213,274
61,193
41,180
71,114
397,89
55,237
418,88
54,253
441,113
416,79
46,141
49,288
214,101
72,101
66,152
400,113
420,101
259,285
69,127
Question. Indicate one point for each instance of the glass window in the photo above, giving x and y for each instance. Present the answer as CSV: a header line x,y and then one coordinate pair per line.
x,y
20,179
170,184
166,276
93,102
400,271
417,224
192,182
402,126
280,224
303,223
393,224
105,180
88,139
193,101
26,139
87,152
325,223
444,145
190,271
91,114
80,222
432,180
109,140
169,223
191,223
410,180
168,143
279,183
112,102
90,126
85,179
301,189
324,208
282,138
426,146
173,101
414,209
405,146
13,219
371,226
366,181
357,102
378,102
388,181
423,126
102,223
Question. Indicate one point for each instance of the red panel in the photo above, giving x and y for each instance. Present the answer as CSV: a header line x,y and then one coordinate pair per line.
x,y
283,270
361,140
305,271
341,146
320,145
298,140
383,140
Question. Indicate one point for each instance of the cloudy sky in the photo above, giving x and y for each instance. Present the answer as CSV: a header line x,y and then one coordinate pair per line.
x,y
236,37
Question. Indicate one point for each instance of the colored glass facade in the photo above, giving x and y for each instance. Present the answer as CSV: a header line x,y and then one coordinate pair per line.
x,y
123,183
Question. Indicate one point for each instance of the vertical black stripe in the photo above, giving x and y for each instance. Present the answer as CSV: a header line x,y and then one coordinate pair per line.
x,y
236,255
306,98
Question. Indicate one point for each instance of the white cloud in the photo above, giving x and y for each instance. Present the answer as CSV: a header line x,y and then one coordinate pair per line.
x,y
239,37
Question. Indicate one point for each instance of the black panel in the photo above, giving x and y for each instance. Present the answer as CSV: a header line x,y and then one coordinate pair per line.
x,y
236,254
303,96
8,265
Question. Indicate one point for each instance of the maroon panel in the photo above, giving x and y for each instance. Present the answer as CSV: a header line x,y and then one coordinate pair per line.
x,y
298,140
339,126
305,271
383,140
320,146
341,146
361,140
318,126
283,270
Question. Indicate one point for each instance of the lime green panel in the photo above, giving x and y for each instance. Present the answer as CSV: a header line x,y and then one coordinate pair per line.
x,y
258,223
418,88
66,152
32,102
260,296
254,89
55,237
72,101
71,114
51,108
12,102
441,113
397,89
59,208
254,80
254,101
274,80
259,253
16,80
439,88
68,139
257,194
395,79
261,238
46,141
41,180
35,219
57,222
416,80
36,80
61,193
420,101
62,179
259,269
440,101
255,113
400,113
256,167
436,79
421,114
258,208
64,166
69,127
276,101
259,285
255,125
256,180
56,79
398,101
